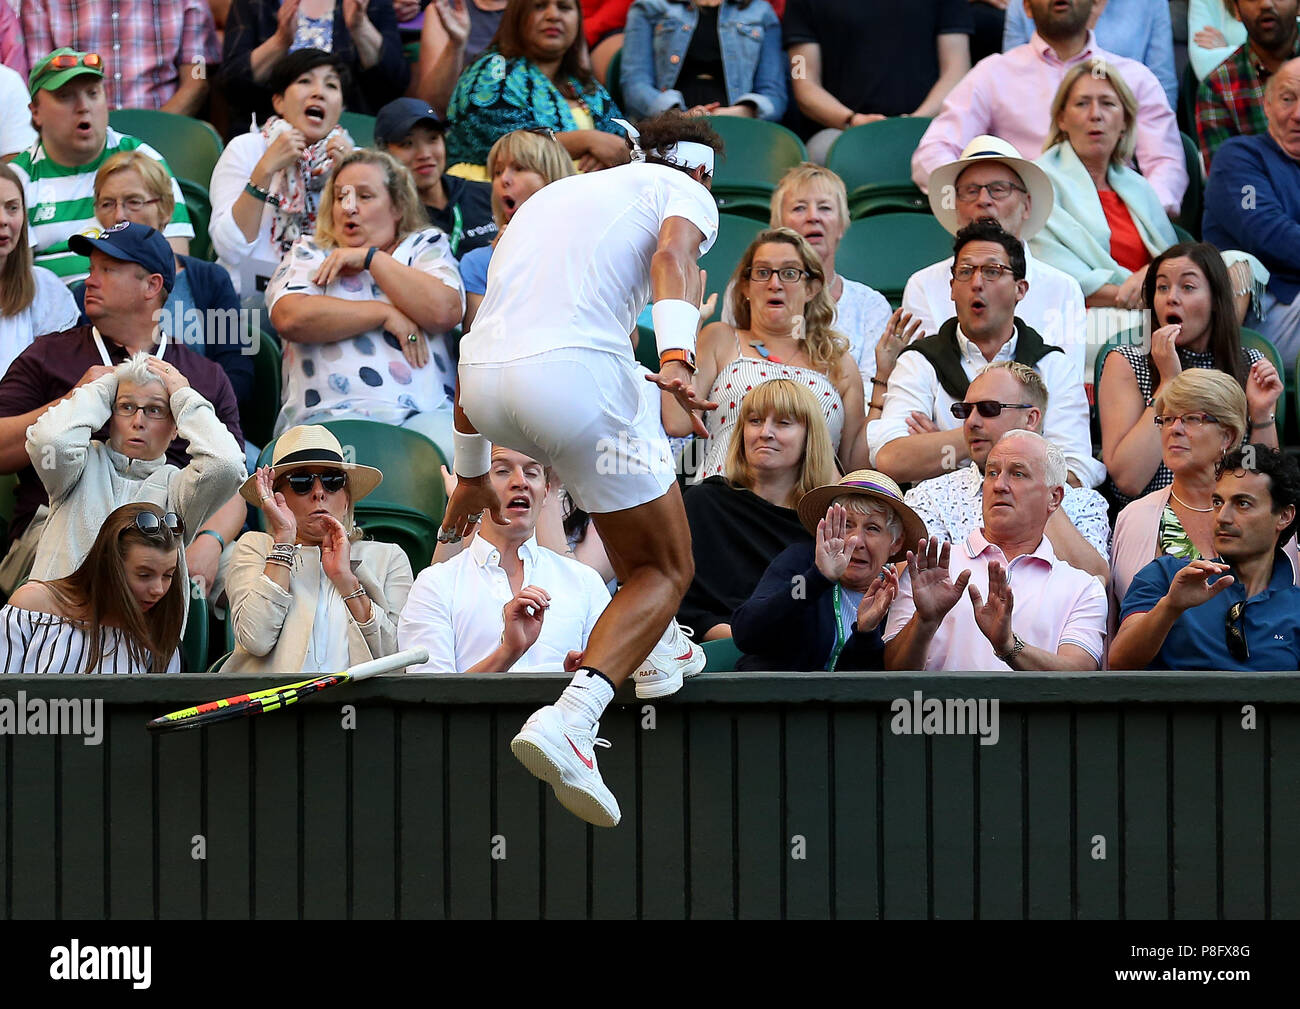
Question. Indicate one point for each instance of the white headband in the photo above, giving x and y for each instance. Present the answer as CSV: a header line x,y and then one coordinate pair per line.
x,y
683,154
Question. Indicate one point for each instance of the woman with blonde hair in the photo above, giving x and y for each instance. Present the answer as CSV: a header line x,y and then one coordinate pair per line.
x,y
364,306
778,451
783,330
519,164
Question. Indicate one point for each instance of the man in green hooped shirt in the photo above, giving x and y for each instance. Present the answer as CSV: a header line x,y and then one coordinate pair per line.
x,y
70,113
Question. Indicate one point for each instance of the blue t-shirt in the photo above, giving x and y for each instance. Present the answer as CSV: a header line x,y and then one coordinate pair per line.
x,y
1198,639
474,269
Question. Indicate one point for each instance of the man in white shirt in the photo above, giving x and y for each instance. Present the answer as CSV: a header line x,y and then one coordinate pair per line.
x,y
917,437
1009,396
548,370
962,192
504,603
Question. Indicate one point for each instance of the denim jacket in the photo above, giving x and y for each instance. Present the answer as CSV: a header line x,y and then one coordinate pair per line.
x,y
654,46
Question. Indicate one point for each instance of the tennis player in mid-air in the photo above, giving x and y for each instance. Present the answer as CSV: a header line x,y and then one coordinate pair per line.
x,y
548,370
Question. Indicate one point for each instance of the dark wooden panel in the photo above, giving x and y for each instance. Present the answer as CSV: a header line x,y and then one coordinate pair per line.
x,y
903,790
422,862
663,816
614,852
81,857
180,819
566,842
1196,809
6,825
374,814
469,776
712,817
1146,818
761,849
35,849
1244,771
230,798
857,852
279,760
952,818
1001,879
517,821
808,811
131,826
327,863
1049,754
1284,795
1097,807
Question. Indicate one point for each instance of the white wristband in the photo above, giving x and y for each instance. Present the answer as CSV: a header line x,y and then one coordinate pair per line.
x,y
473,454
675,325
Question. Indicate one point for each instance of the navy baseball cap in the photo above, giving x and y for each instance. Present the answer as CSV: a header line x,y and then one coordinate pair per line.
x,y
395,119
132,243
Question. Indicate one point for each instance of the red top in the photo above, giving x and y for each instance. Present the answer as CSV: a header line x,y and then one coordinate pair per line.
x,y
1126,246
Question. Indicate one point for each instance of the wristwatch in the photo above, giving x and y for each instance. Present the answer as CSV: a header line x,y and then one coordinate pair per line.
x,y
687,357
1017,646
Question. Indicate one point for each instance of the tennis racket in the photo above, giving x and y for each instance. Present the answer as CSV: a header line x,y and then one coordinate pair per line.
x,y
274,698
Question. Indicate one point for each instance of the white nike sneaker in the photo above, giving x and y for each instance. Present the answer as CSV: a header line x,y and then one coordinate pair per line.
x,y
565,758
673,658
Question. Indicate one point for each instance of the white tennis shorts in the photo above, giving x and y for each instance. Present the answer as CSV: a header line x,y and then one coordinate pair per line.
x,y
590,414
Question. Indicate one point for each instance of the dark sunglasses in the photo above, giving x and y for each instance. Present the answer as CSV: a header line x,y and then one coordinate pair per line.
x,y
987,408
301,483
150,524
1234,629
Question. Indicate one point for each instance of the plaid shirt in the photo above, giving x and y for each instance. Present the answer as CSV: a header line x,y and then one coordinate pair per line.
x,y
146,44
1230,102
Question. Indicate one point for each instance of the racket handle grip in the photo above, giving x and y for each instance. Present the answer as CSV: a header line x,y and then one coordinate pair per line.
x,y
408,657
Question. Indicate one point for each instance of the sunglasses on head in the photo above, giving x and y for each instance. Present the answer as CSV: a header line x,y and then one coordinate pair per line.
x,y
986,407
301,483
150,524
65,61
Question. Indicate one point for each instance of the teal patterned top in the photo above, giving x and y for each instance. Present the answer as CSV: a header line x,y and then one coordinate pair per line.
x,y
1172,537
495,96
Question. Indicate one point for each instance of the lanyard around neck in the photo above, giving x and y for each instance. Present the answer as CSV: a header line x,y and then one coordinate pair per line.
x,y
103,351
841,636
457,228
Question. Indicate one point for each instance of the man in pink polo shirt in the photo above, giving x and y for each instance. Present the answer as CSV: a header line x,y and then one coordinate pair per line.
x,y
1010,94
1061,622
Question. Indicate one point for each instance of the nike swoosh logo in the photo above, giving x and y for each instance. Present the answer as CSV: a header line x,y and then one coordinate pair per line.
x,y
589,764
683,657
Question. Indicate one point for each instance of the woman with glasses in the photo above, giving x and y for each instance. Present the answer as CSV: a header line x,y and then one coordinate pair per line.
x,y
783,330
310,594
202,311
1190,297
33,300
1199,416
146,404
120,611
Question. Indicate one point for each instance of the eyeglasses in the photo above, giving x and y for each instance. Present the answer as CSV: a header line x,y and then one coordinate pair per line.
x,y
1234,629
1191,421
132,203
151,525
986,407
66,60
787,274
541,131
970,192
302,483
153,411
989,271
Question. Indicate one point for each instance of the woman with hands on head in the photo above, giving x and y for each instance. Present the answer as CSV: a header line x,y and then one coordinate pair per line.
x,y
309,594
1195,326
822,605
364,307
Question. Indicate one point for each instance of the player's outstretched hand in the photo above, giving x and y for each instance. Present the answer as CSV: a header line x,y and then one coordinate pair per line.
x,y
473,496
674,377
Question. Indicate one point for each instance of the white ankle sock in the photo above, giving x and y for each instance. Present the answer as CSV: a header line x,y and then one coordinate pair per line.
x,y
585,699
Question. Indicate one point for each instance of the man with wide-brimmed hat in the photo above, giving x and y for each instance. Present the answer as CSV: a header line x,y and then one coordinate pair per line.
x,y
820,605
1028,609
992,182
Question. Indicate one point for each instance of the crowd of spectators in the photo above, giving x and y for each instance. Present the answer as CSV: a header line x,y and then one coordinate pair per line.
x,y
932,484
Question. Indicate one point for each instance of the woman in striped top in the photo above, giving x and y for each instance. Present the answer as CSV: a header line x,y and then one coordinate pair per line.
x,y
120,612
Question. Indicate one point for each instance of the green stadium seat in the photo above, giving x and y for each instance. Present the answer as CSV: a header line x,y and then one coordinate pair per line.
x,y
614,80
219,661
1252,340
875,162
194,644
720,656
757,154
360,127
190,146
1189,215
199,205
258,421
8,486
884,250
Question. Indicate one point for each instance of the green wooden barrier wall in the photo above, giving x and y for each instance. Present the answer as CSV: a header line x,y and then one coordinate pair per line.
x,y
401,816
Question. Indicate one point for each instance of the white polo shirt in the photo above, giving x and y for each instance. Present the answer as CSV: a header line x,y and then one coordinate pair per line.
x,y
573,268
454,608
1053,305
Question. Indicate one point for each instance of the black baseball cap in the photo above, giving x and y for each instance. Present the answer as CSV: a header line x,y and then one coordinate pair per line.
x,y
132,243
396,119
